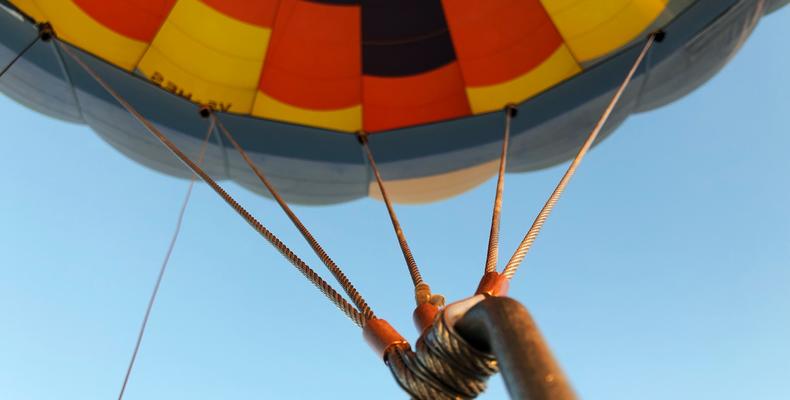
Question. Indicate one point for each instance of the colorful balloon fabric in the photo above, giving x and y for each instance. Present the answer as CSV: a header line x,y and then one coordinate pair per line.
x,y
295,80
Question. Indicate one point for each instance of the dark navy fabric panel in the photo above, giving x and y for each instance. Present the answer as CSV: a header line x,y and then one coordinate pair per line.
x,y
404,37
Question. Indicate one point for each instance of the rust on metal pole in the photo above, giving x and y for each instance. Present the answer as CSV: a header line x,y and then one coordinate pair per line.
x,y
503,327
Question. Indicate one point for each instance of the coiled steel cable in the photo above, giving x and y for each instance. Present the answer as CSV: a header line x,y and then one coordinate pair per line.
x,y
537,225
325,288
444,366
341,278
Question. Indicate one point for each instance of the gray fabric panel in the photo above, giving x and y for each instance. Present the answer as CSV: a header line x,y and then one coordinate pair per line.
x,y
701,58
773,5
300,181
664,82
36,81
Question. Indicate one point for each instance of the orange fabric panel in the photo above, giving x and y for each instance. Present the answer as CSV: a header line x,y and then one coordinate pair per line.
x,y
314,58
135,19
254,12
499,40
435,95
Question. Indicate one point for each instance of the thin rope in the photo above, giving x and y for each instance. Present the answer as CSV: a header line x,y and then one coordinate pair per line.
x,y
165,261
493,238
336,271
19,55
534,230
289,255
414,270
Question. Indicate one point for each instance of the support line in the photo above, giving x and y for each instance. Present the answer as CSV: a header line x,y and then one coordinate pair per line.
x,y
493,237
336,271
325,288
165,261
518,256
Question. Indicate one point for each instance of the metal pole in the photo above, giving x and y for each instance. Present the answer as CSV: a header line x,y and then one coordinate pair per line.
x,y
502,326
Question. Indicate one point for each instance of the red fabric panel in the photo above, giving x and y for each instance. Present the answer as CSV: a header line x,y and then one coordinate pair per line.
x,y
314,57
135,19
390,103
498,40
254,12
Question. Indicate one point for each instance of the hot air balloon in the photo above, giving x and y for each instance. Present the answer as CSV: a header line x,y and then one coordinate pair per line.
x,y
326,101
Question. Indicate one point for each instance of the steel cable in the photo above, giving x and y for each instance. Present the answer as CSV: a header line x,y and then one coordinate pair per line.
x,y
493,237
289,255
444,366
336,271
414,270
518,256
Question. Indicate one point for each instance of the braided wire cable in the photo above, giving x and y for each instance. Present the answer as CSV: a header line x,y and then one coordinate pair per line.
x,y
414,270
165,263
444,366
537,225
324,287
493,237
336,271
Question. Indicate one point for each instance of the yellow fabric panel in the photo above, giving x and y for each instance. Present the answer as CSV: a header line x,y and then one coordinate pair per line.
x,y
593,28
345,120
435,187
30,8
558,67
208,57
78,28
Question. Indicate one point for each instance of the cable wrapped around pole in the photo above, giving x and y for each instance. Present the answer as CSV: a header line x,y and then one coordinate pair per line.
x,y
444,367
472,340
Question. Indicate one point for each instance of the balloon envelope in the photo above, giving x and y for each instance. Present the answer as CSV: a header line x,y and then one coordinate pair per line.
x,y
294,80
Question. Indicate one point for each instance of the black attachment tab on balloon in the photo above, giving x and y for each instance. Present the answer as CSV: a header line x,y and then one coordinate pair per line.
x,y
45,32
204,111
659,35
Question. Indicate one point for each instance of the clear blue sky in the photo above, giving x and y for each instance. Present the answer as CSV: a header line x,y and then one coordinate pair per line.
x,y
664,272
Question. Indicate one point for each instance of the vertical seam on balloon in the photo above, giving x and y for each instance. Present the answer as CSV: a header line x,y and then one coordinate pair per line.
x,y
648,65
362,85
362,155
153,38
67,75
41,10
258,88
457,60
225,159
559,32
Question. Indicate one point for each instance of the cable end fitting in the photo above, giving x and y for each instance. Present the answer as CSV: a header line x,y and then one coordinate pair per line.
x,y
382,337
424,316
422,293
493,284
428,305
